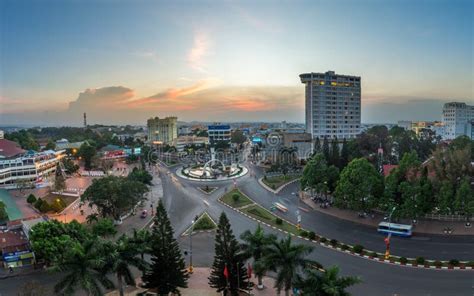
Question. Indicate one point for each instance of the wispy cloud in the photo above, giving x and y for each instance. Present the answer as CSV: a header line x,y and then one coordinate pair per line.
x,y
147,54
201,46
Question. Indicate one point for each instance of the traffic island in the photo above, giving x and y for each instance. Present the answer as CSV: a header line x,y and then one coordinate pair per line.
x,y
238,201
203,224
276,183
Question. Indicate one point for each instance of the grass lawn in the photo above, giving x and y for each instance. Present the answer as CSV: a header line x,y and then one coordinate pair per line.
x,y
240,202
204,223
277,181
263,215
207,189
64,199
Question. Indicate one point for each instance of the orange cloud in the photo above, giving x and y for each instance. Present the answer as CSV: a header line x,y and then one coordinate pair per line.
x,y
248,104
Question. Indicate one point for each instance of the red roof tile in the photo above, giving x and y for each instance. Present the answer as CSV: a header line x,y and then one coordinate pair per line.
x,y
9,148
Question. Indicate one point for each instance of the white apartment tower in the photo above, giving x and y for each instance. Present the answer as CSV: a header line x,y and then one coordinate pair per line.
x,y
332,105
457,120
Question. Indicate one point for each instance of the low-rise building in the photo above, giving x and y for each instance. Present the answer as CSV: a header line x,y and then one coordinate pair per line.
x,y
28,168
182,141
219,133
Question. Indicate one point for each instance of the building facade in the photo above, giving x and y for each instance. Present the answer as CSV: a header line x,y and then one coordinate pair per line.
x,y
333,105
182,141
219,133
26,168
162,131
457,118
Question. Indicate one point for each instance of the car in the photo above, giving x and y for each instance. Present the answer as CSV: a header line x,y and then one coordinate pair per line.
x,y
144,214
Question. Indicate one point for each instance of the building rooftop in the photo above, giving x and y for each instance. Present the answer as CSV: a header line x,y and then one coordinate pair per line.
x,y
13,240
9,149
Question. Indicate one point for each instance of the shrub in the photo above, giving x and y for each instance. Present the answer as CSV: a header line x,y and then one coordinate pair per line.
x,y
323,239
31,199
44,207
235,197
358,248
38,203
312,235
403,260
420,260
373,254
344,247
438,263
454,262
333,242
278,221
304,233
273,186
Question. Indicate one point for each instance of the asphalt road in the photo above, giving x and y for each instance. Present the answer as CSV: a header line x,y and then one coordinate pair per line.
x,y
184,201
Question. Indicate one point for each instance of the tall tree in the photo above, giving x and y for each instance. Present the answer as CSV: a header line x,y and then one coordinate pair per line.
x,y
83,264
59,180
228,272
317,146
334,155
87,152
464,196
167,272
255,245
325,148
287,260
326,283
344,160
359,186
114,196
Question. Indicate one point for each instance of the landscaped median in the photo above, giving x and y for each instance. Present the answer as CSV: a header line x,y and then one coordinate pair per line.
x,y
243,204
277,183
204,223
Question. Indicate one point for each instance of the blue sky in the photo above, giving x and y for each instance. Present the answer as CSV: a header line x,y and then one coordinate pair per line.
x,y
239,58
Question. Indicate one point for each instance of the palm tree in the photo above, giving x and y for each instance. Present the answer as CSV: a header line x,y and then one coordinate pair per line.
x,y
325,283
287,259
255,245
141,241
83,263
121,255
92,218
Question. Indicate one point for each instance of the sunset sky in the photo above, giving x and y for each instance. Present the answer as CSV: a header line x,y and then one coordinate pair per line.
x,y
124,61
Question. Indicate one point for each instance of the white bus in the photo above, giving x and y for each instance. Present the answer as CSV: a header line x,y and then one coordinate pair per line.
x,y
395,229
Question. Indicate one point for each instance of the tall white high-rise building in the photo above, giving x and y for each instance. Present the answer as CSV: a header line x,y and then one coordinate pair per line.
x,y
457,120
332,105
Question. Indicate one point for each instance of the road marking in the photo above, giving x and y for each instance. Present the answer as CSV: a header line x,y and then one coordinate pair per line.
x,y
207,204
303,209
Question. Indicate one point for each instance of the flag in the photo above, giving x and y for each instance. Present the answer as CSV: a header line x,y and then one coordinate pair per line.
x,y
226,272
249,270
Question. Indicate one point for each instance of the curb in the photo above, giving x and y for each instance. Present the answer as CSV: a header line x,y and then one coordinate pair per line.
x,y
349,251
276,191
207,193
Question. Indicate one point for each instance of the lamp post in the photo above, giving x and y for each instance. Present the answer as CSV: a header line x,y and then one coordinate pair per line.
x,y
190,269
387,239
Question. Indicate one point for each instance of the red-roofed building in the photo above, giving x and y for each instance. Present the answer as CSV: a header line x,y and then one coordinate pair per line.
x,y
9,149
15,249
387,168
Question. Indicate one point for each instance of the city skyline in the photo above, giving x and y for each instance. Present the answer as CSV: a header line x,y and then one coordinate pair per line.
x,y
228,61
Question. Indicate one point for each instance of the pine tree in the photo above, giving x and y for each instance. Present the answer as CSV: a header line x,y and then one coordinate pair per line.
x,y
344,160
326,148
167,272
334,157
227,254
317,146
59,181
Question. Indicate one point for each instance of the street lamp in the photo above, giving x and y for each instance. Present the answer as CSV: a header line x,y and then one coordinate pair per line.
x,y
387,239
190,269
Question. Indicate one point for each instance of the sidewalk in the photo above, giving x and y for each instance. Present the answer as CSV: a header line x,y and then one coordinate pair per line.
x,y
423,226
198,285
